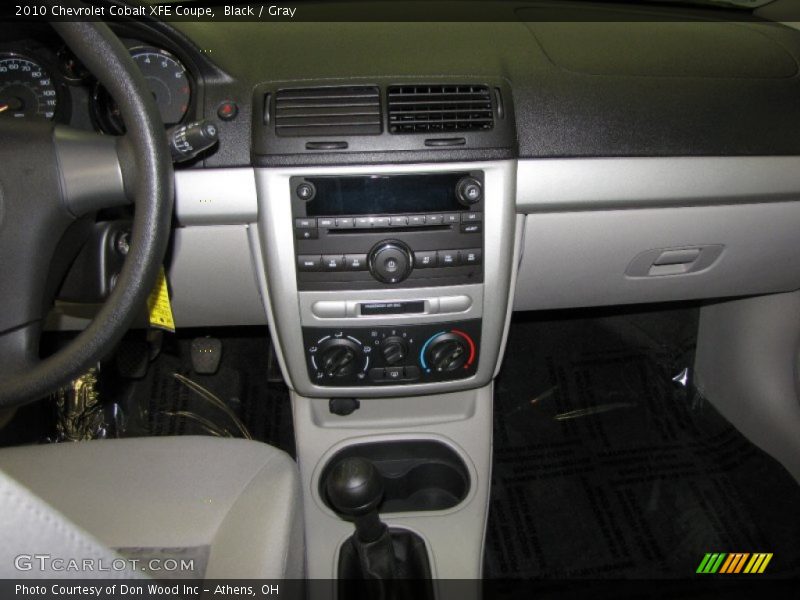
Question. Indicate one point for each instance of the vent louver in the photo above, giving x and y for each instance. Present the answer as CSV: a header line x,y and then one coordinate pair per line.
x,y
352,110
435,108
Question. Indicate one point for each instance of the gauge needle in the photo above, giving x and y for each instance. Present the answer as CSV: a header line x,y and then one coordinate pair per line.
x,y
12,103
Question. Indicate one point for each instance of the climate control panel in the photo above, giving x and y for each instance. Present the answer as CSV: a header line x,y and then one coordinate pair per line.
x,y
366,356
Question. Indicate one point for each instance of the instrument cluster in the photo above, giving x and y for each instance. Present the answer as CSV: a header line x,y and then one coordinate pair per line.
x,y
39,81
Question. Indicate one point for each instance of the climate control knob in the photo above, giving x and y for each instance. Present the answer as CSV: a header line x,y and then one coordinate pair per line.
x,y
339,357
390,261
394,350
448,351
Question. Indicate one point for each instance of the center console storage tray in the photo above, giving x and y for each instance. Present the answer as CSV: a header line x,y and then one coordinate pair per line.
x,y
418,475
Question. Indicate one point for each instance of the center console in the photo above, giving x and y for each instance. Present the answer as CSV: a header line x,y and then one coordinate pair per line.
x,y
384,231
377,277
391,285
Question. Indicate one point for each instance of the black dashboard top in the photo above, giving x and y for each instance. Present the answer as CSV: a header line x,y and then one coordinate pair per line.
x,y
636,81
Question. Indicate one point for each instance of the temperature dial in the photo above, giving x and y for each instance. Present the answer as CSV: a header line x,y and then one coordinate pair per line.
x,y
448,351
339,357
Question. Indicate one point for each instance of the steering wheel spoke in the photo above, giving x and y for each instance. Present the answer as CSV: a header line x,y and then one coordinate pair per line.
x,y
91,171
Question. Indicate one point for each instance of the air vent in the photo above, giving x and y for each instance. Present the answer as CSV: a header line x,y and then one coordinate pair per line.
x,y
328,111
435,108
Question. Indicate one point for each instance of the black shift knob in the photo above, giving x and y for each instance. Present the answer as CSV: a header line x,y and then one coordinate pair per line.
x,y
354,487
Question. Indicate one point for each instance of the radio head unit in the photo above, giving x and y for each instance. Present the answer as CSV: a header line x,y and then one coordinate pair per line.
x,y
375,231
385,194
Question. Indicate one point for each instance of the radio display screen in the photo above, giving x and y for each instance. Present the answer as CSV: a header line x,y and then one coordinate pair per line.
x,y
384,194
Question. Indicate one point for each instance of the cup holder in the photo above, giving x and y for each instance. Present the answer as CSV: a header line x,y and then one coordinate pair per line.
x,y
418,475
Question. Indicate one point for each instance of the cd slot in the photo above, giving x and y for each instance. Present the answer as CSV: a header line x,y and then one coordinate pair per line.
x,y
391,230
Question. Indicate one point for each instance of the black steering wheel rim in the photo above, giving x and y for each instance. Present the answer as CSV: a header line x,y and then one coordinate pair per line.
x,y
108,59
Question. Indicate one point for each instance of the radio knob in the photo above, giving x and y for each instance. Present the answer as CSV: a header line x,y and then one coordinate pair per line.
x,y
306,191
394,350
390,261
469,191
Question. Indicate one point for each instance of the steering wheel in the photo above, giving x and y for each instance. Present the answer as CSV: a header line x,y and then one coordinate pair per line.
x,y
50,176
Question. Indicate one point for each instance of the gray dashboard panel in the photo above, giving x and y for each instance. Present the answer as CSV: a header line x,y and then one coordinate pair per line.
x,y
603,183
575,259
212,277
215,196
591,223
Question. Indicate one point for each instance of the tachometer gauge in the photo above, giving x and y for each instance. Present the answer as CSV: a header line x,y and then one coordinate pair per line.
x,y
168,81
26,89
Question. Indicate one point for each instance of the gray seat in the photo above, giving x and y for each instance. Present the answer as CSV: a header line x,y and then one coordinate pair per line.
x,y
233,506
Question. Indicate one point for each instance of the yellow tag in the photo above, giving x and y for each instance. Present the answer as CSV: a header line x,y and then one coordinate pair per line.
x,y
158,304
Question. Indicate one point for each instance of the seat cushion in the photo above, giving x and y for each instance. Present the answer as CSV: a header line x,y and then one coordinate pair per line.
x,y
235,501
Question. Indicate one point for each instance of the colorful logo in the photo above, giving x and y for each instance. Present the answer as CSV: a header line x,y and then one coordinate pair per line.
x,y
733,563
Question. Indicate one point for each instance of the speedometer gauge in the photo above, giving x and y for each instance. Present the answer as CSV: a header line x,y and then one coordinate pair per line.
x,y
26,89
167,79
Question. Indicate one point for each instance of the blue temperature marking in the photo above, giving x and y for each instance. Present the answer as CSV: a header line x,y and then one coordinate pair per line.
x,y
424,346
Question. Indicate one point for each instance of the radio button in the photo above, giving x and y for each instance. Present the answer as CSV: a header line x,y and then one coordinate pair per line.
x,y
391,265
363,223
345,223
355,262
471,227
471,257
425,259
326,222
434,219
332,262
401,221
416,220
309,262
380,221
306,234
451,218
470,217
448,258
305,223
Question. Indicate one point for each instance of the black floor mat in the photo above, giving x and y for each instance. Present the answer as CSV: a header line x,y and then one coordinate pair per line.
x,y
604,467
159,404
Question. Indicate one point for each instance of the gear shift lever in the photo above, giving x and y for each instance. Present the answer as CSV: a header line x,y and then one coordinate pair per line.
x,y
355,489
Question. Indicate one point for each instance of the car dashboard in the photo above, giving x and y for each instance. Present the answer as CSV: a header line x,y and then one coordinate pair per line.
x,y
384,195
